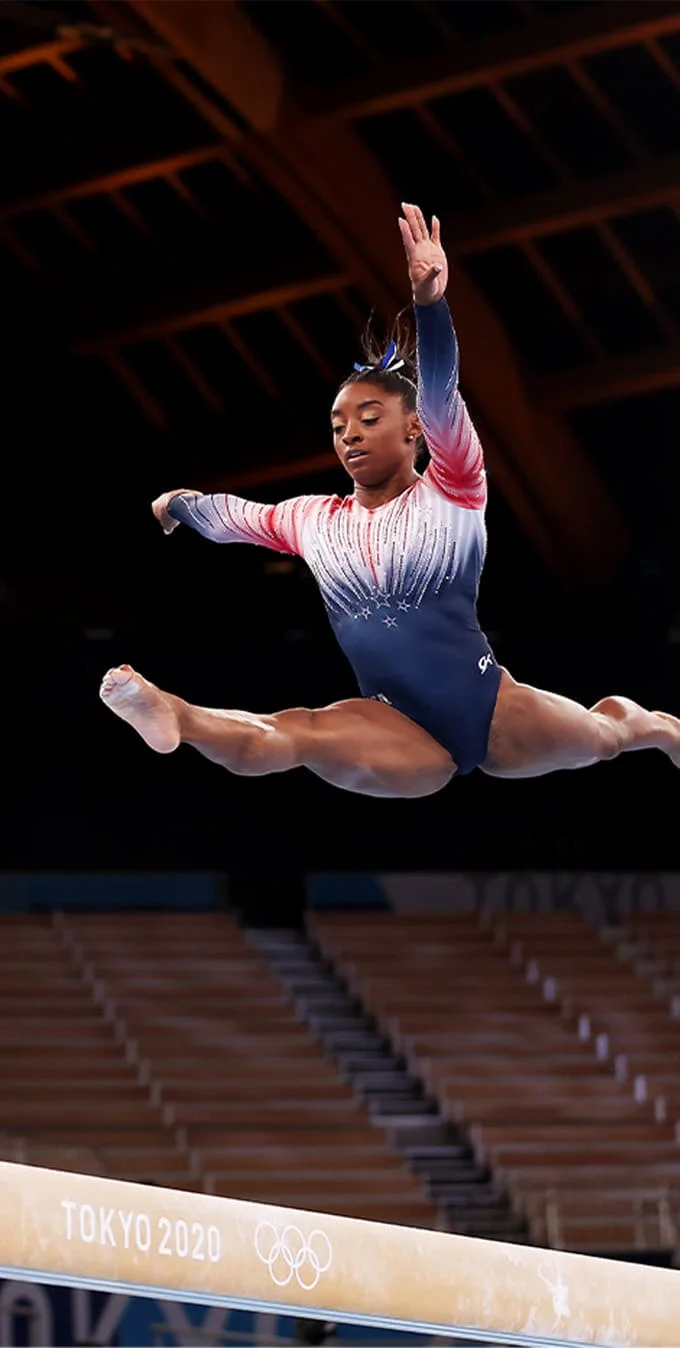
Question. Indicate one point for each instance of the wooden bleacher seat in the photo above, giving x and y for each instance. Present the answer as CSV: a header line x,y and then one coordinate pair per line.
x,y
466,1001
241,1086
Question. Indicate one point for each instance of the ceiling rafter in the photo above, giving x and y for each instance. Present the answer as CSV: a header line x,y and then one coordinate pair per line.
x,y
607,237
131,29
200,316
20,250
227,127
606,108
535,258
107,183
148,231
439,22
151,408
341,20
62,67
546,272
76,230
253,363
203,387
663,61
55,132
41,54
638,281
448,142
562,503
88,92
185,194
129,210
304,341
623,377
476,64
528,128
574,206
562,296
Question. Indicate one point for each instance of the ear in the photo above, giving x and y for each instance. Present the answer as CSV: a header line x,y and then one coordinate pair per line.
x,y
413,427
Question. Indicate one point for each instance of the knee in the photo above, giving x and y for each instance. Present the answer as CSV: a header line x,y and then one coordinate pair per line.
x,y
619,720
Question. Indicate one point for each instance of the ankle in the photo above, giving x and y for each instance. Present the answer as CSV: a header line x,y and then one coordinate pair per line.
x,y
182,711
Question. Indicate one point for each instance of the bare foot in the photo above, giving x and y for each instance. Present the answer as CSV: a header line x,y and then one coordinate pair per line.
x,y
149,711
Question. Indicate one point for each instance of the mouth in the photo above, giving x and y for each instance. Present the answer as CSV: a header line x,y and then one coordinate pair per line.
x,y
355,455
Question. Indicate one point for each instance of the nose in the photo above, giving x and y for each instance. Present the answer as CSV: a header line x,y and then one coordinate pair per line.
x,y
351,436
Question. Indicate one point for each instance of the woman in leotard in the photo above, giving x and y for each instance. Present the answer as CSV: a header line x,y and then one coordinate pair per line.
x,y
398,563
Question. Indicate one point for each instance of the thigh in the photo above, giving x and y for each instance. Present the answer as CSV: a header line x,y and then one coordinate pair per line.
x,y
534,732
369,747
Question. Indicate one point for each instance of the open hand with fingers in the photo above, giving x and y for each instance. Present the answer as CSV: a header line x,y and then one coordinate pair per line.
x,y
428,268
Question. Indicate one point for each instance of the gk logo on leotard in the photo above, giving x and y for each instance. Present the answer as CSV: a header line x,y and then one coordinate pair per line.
x,y
290,1254
484,662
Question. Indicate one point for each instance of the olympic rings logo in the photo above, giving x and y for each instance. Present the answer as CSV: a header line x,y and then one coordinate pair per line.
x,y
290,1254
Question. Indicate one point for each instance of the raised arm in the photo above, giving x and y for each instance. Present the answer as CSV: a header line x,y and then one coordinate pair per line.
x,y
224,518
456,458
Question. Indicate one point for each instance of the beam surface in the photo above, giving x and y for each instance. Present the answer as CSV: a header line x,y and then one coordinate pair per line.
x,y
86,1231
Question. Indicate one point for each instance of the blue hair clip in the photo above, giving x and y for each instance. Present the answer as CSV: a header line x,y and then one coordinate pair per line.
x,y
388,362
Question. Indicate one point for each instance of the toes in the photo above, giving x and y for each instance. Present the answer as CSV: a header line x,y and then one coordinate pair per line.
x,y
122,679
121,674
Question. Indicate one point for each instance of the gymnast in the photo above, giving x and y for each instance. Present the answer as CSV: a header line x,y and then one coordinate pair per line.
x,y
398,563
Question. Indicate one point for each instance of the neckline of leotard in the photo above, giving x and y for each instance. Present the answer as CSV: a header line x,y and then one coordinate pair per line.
x,y
372,510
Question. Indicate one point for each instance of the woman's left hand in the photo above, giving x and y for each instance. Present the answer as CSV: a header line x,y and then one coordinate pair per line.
x,y
428,268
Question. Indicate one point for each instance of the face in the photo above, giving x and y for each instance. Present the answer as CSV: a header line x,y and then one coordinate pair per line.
x,y
373,433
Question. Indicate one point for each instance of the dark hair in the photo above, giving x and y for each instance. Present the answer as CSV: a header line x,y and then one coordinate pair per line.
x,y
401,382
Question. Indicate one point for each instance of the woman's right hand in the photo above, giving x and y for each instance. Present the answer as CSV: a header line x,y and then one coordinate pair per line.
x,y
428,268
160,508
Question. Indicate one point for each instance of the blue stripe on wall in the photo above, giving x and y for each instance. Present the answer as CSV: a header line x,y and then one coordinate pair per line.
x,y
346,891
24,892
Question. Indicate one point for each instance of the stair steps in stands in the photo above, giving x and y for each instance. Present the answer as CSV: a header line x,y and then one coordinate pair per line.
x,y
435,1150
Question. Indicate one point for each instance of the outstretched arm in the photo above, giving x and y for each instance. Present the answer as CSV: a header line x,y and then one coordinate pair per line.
x,y
456,457
224,518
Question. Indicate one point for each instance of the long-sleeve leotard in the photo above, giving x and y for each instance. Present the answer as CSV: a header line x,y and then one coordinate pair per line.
x,y
399,581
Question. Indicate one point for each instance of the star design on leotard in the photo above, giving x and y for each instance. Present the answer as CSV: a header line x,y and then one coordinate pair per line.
x,y
403,606
390,622
382,602
365,612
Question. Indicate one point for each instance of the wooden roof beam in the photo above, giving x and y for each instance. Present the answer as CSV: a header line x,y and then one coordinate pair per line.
x,y
545,474
474,64
574,206
113,182
623,377
223,310
229,66
250,360
42,53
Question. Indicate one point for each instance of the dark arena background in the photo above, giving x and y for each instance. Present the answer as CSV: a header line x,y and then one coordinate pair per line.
x,y
198,204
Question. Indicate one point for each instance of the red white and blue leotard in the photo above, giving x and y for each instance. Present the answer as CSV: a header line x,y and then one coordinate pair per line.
x,y
399,581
